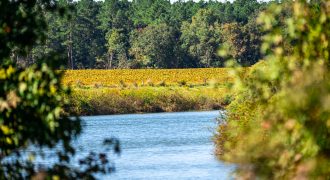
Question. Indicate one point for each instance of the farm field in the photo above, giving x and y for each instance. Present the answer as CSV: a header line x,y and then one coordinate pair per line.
x,y
145,77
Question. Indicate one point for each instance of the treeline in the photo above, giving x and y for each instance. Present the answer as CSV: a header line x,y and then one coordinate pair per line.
x,y
151,34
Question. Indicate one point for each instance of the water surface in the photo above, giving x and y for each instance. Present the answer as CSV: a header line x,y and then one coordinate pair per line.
x,y
159,145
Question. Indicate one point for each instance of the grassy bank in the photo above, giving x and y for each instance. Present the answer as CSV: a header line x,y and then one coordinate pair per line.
x,y
98,92
146,99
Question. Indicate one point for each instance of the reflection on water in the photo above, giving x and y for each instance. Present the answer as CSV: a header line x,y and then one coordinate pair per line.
x,y
158,146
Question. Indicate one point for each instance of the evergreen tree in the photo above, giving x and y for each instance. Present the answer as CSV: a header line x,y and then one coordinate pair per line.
x,y
88,41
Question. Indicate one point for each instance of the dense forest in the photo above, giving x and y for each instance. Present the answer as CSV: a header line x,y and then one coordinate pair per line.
x,y
151,34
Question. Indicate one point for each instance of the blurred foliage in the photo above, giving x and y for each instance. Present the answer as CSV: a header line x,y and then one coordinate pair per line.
x,y
30,106
17,18
31,103
278,126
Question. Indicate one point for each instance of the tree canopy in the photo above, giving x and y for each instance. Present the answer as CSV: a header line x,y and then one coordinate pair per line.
x,y
90,32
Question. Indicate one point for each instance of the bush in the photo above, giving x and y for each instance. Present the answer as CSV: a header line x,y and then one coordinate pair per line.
x,y
31,102
278,125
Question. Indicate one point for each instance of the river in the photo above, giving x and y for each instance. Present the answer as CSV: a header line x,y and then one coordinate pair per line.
x,y
158,145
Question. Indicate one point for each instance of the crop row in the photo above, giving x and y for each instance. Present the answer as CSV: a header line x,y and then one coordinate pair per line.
x,y
146,76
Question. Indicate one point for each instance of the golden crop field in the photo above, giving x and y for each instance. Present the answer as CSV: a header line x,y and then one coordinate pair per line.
x,y
146,76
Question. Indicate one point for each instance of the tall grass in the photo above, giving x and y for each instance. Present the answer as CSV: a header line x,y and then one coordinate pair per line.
x,y
95,101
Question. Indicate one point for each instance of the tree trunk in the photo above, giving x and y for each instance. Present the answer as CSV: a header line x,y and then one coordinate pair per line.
x,y
111,58
71,52
69,46
69,62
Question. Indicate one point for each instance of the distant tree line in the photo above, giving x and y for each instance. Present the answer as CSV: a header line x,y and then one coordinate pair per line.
x,y
151,34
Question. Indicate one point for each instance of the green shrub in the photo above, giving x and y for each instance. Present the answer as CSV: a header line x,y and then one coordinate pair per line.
x,y
278,126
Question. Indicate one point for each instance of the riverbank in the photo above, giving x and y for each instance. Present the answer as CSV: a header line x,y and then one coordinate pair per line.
x,y
100,92
100,101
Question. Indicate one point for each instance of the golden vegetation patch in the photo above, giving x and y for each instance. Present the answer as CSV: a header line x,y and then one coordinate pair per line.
x,y
146,77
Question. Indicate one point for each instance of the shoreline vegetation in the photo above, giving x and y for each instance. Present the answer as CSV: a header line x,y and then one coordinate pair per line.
x,y
100,92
